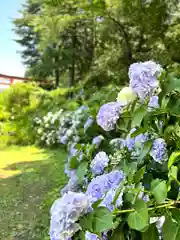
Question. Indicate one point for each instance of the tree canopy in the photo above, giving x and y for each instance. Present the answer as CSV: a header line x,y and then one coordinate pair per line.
x,y
93,42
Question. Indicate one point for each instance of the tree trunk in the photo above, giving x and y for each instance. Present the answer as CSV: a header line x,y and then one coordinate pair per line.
x,y
72,67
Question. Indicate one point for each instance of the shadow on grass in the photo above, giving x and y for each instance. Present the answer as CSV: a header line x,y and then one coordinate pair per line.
x,y
25,198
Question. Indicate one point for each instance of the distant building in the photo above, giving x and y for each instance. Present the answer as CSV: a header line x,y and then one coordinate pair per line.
x,y
6,81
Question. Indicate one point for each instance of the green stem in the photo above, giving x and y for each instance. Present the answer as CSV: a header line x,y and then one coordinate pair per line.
x,y
149,209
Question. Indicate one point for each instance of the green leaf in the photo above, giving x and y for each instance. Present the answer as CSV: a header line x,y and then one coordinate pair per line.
x,y
103,220
73,163
171,229
146,148
159,190
138,220
173,158
151,233
96,204
139,174
137,132
138,116
86,222
173,172
81,171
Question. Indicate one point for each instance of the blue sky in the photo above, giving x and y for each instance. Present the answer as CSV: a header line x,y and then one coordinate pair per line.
x,y
10,60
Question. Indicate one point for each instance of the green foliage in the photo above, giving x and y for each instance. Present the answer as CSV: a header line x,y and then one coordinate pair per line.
x,y
138,219
93,42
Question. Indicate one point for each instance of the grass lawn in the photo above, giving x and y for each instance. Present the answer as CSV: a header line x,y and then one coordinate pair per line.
x,y
30,180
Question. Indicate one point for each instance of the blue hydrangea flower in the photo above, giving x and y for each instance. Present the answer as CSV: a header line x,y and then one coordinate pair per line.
x,y
72,185
91,236
135,144
153,103
65,212
99,162
143,78
159,150
108,115
63,139
108,199
97,140
101,184
88,123
114,178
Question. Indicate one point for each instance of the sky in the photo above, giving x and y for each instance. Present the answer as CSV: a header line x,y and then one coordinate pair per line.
x,y
10,60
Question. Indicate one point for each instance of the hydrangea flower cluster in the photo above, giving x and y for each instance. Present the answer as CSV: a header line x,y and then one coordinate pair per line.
x,y
88,123
97,140
143,78
99,162
64,215
108,115
69,126
135,144
159,150
47,127
101,184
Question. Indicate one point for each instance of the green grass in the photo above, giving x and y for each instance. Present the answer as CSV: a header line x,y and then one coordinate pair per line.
x,y
30,180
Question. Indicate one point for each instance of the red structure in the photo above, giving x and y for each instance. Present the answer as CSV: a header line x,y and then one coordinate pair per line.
x,y
9,80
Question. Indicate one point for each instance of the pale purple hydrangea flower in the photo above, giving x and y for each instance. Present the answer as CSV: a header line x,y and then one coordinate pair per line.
x,y
63,139
108,199
65,212
143,78
72,184
153,103
88,123
101,184
135,144
93,236
99,162
108,115
97,140
159,150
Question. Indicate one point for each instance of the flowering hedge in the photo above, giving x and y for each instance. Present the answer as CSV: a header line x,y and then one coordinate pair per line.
x,y
125,184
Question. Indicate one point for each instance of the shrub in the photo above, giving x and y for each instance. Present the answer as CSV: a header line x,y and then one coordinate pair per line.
x,y
125,185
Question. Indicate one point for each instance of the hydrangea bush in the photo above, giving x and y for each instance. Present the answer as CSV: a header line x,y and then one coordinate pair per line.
x,y
63,127
47,127
127,189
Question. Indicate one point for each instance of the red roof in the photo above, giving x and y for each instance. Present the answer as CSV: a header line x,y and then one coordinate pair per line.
x,y
21,78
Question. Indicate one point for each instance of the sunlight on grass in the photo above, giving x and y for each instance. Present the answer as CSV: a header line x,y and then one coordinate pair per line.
x,y
26,198
11,159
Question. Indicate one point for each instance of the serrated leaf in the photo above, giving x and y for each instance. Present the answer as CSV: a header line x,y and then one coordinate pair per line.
x,y
171,229
173,158
139,174
103,220
159,190
138,116
151,233
138,220
81,171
